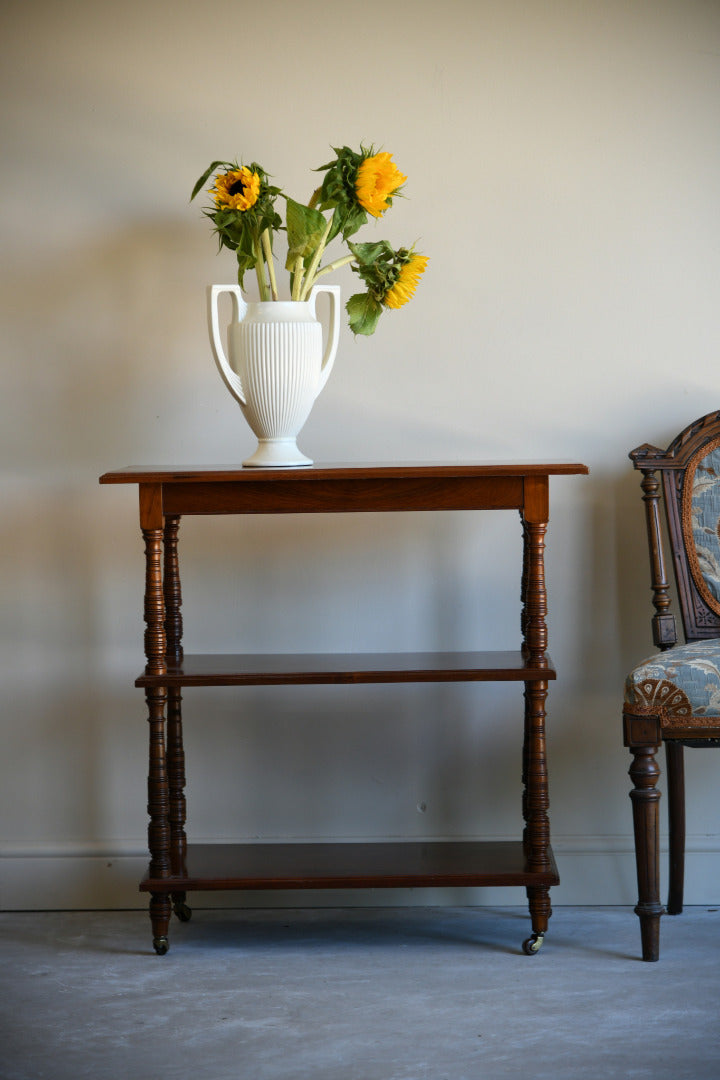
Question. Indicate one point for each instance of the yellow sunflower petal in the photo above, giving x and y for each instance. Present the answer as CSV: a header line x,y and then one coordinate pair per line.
x,y
377,178
238,189
406,283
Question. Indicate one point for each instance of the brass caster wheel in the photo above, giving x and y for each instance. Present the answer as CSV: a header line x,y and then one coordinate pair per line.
x,y
531,946
183,912
160,945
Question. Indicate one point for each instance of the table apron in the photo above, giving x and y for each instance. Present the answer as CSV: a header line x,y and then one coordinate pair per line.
x,y
340,496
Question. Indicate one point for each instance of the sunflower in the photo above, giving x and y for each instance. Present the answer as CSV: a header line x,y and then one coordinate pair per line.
x,y
377,179
238,189
406,283
390,276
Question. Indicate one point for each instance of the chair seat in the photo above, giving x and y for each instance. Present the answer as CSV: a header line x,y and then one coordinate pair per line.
x,y
682,682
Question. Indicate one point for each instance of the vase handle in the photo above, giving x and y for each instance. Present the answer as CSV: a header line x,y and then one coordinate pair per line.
x,y
229,377
333,330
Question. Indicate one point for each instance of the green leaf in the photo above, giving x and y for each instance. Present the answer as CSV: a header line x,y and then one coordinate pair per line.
x,y
246,256
305,228
206,176
337,192
363,313
265,216
368,254
352,218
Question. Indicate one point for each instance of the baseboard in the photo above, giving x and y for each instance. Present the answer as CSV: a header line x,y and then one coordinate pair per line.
x,y
593,871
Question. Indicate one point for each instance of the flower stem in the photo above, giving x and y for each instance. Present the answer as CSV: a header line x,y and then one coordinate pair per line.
x,y
267,250
260,272
334,265
297,278
312,268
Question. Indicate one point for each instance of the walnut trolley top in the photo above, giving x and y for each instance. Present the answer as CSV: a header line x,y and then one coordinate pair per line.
x,y
168,494
217,489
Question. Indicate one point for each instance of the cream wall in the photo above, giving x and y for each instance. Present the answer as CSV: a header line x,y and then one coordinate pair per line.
x,y
564,170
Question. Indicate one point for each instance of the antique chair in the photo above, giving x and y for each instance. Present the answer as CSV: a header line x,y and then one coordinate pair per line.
x,y
674,696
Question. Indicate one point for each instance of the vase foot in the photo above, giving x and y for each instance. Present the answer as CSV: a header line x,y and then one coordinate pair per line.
x,y
277,454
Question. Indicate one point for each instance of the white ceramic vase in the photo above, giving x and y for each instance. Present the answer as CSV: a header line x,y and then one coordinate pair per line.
x,y
276,366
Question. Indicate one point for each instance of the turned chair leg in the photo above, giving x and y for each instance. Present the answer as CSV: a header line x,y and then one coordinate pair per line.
x,y
644,772
674,757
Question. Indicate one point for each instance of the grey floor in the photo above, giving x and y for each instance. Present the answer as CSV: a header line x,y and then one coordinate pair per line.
x,y
358,994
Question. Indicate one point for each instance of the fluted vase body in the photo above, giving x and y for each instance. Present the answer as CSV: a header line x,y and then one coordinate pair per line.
x,y
275,368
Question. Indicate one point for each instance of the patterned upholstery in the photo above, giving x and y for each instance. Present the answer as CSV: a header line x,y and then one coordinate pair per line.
x,y
684,681
704,515
681,682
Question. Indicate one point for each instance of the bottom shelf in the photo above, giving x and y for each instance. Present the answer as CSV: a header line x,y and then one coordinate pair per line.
x,y
352,865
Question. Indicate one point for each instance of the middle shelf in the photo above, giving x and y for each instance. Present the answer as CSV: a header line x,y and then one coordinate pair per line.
x,y
277,669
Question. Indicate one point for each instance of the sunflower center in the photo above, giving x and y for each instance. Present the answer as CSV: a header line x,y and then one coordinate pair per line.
x,y
237,187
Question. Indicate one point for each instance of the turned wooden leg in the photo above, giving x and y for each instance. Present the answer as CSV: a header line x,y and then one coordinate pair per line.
x,y
540,912
159,824
524,583
536,802
172,594
176,791
644,772
524,617
674,757
176,799
535,806
525,757
160,910
534,593
537,830
156,697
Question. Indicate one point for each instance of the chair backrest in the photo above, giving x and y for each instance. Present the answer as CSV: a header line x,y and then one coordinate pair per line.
x,y
690,480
